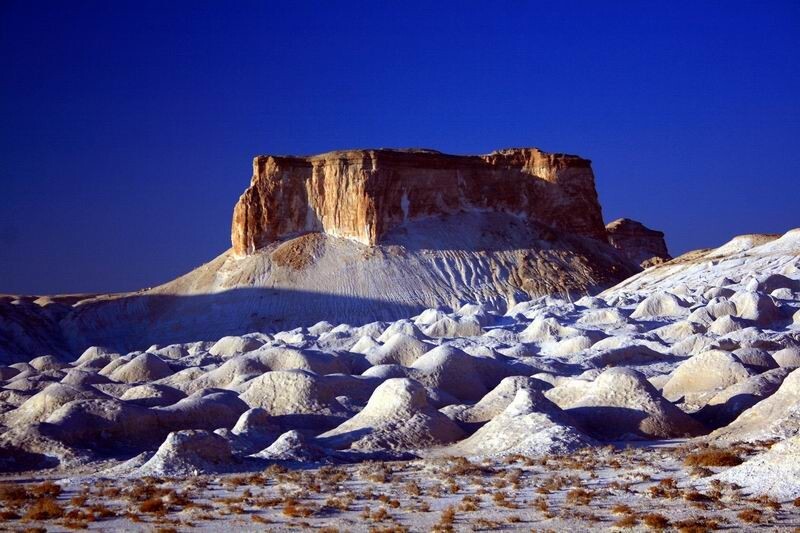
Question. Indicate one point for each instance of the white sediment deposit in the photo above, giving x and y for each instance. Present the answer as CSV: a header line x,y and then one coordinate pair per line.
x,y
412,345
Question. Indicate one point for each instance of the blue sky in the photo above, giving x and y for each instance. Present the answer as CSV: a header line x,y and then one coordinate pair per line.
x,y
129,127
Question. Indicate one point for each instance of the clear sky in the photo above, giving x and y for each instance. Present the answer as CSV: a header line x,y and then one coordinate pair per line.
x,y
128,128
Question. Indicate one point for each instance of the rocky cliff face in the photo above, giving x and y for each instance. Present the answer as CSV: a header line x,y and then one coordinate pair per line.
x,y
640,244
363,194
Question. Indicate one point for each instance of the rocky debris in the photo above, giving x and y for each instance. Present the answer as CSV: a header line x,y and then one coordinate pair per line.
x,y
531,425
620,404
284,358
452,371
756,359
364,194
397,417
642,245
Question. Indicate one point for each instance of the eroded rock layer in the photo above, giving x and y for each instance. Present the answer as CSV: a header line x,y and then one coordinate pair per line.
x,y
640,244
364,194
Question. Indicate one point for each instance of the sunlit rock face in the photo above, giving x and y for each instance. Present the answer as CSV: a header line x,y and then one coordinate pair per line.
x,y
364,194
642,245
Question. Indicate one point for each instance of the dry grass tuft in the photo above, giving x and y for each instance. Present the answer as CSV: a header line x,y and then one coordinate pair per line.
x,y
655,521
294,510
697,524
621,508
751,516
627,521
46,488
12,494
712,457
579,497
469,503
446,520
44,509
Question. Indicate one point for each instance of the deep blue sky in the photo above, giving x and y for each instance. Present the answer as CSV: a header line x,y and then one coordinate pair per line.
x,y
128,128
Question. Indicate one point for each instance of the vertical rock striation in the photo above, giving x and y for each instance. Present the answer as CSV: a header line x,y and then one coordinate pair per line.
x,y
364,194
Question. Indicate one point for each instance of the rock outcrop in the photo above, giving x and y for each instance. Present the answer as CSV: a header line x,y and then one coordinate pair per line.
x,y
363,194
640,244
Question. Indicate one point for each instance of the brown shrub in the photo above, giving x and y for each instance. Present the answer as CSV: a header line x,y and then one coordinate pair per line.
x,y
461,466
292,509
695,496
579,497
500,499
380,515
655,521
751,516
13,494
412,488
46,488
771,503
697,524
621,508
484,524
627,521
469,503
712,457
44,509
154,505
448,515
101,511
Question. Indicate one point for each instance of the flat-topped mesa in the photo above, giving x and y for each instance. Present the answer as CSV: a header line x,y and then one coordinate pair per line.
x,y
364,194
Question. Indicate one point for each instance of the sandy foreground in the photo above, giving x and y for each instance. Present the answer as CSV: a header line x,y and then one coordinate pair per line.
x,y
660,486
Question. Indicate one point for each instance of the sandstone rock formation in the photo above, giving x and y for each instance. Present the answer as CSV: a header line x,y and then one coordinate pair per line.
x,y
363,194
640,244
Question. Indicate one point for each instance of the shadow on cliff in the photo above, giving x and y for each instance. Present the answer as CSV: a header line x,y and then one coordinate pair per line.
x,y
136,322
